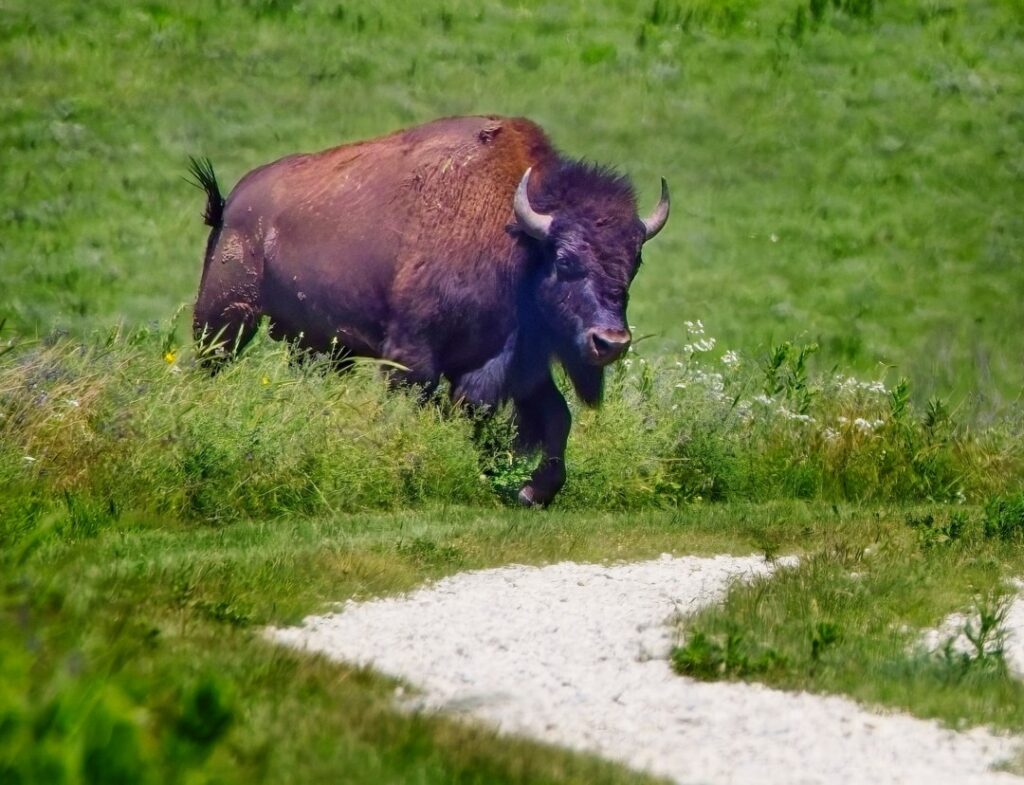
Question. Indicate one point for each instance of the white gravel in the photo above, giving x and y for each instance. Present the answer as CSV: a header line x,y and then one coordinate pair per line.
x,y
574,654
952,630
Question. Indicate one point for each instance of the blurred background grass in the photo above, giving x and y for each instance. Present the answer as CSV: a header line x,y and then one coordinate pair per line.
x,y
845,173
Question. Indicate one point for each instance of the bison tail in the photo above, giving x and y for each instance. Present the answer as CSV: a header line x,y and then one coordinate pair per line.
x,y
203,177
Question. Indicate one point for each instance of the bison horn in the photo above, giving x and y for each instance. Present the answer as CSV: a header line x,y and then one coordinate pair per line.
x,y
654,223
535,224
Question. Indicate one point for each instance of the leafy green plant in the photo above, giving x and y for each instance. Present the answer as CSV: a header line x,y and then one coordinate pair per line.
x,y
731,656
944,529
1004,518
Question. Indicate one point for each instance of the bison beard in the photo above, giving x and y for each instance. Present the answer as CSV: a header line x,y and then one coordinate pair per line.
x,y
466,249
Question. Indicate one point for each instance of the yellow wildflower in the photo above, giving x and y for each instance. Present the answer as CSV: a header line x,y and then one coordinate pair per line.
x,y
170,357
266,380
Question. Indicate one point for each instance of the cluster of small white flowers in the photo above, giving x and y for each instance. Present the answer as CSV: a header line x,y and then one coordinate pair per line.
x,y
830,434
701,345
791,415
863,425
731,358
852,384
695,328
743,411
763,399
713,382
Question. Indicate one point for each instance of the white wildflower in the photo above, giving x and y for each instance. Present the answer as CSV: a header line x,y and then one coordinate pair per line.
x,y
867,426
852,384
695,328
731,358
830,434
843,420
702,345
763,399
791,415
711,380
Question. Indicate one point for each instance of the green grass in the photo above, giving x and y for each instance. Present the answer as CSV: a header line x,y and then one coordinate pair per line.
x,y
124,424
138,647
153,519
849,617
133,653
850,180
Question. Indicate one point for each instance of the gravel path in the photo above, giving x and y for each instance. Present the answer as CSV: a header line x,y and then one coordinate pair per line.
x,y
573,654
952,628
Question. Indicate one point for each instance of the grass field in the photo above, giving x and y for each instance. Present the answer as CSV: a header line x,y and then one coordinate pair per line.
x,y
852,181
846,179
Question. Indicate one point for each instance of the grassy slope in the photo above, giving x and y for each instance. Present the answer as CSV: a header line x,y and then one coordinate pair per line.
x,y
884,157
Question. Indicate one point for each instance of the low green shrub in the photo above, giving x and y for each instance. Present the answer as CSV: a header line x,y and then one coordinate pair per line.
x,y
1004,518
731,655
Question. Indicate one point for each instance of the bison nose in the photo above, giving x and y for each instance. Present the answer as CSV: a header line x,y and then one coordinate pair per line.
x,y
608,345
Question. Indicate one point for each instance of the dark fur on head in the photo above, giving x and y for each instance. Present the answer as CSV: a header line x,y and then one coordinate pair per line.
x,y
573,182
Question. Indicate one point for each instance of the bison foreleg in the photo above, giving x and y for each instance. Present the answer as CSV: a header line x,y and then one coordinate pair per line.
x,y
544,416
486,386
416,366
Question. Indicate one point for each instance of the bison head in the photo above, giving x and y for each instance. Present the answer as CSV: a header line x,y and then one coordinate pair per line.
x,y
589,237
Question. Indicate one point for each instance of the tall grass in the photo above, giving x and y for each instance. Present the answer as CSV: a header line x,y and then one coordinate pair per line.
x,y
128,423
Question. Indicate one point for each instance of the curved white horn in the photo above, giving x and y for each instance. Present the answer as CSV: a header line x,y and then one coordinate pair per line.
x,y
535,224
656,220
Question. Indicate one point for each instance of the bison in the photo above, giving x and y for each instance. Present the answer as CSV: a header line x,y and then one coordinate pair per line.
x,y
466,248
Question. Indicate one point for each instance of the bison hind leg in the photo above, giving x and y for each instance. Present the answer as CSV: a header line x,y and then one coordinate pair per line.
x,y
228,307
224,337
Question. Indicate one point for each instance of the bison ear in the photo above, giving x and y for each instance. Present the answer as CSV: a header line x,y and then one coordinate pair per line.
x,y
587,380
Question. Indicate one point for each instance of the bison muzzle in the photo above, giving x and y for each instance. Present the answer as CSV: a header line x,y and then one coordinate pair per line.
x,y
467,248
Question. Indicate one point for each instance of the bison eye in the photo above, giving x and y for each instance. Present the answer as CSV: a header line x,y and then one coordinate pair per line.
x,y
568,266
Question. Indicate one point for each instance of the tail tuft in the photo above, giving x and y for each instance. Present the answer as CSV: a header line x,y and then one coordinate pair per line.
x,y
201,170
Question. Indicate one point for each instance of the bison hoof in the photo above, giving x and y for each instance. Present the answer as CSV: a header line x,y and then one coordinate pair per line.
x,y
527,497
